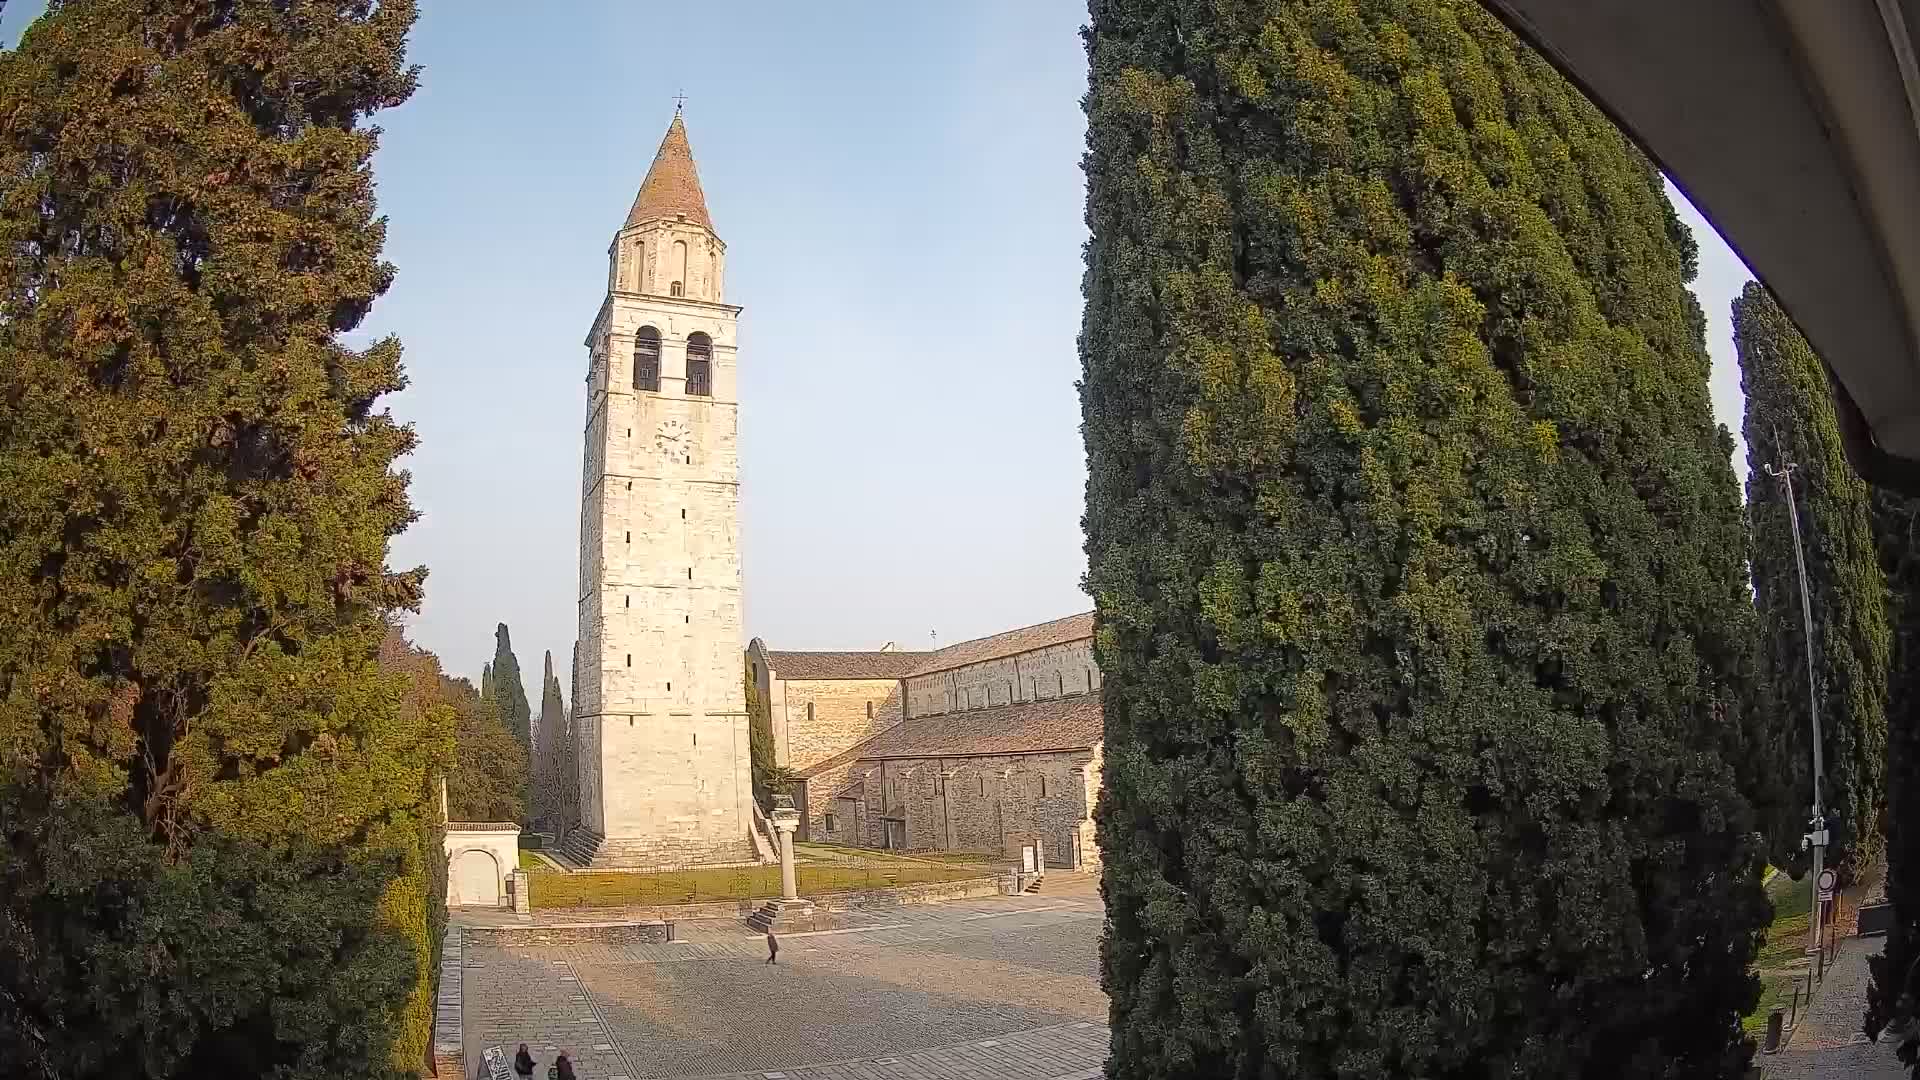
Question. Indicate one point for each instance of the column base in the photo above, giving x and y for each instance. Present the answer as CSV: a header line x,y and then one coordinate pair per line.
x,y
776,913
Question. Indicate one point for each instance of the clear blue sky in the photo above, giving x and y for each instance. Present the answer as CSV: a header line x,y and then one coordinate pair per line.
x,y
900,192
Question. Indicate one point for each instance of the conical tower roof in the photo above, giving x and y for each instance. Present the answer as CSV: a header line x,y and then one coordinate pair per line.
x,y
672,186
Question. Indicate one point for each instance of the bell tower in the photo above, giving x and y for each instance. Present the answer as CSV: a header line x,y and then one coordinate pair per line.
x,y
661,718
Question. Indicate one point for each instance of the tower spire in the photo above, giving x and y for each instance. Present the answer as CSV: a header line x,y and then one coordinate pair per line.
x,y
672,186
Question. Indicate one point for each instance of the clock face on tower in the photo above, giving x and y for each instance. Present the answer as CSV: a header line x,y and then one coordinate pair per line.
x,y
672,439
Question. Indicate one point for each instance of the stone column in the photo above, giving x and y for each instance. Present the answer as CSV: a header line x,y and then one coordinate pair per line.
x,y
785,821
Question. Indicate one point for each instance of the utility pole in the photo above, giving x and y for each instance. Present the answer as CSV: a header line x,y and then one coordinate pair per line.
x,y
1817,825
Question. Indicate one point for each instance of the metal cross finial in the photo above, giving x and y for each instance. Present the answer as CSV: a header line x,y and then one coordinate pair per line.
x,y
679,102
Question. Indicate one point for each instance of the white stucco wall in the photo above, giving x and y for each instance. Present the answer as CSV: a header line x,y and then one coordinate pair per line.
x,y
499,841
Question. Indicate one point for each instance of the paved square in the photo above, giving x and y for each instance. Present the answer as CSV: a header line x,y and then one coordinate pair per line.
x,y
989,988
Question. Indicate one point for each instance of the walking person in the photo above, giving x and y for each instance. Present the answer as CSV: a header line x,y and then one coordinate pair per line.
x,y
773,947
523,1063
562,1069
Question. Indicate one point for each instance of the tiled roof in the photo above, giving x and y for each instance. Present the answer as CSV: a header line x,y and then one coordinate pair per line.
x,y
843,665
1025,639
1068,723
672,186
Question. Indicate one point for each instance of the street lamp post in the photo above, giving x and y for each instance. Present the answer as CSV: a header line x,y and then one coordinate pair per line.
x,y
1817,826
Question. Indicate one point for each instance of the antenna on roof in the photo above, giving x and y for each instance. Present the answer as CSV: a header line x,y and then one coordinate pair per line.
x,y
935,635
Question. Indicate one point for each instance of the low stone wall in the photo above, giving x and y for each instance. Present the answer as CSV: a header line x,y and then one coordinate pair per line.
x,y
587,933
927,893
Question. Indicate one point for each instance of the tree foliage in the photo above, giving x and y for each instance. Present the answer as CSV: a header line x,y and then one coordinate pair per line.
x,y
552,754
216,808
509,692
489,779
1429,677
1790,417
768,777
1893,1000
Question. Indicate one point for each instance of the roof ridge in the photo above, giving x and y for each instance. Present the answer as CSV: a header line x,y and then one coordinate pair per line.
x,y
1016,630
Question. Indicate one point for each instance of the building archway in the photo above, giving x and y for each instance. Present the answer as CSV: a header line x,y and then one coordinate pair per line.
x,y
474,877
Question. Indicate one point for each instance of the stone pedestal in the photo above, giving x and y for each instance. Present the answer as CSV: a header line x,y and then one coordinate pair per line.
x,y
786,820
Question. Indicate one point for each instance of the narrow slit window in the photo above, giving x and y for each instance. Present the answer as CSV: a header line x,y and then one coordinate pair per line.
x,y
629,659
1043,785
869,710
983,787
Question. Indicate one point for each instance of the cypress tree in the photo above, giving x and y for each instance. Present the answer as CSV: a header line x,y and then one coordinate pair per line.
x,y
1429,679
569,761
1893,999
1790,417
547,739
216,807
509,692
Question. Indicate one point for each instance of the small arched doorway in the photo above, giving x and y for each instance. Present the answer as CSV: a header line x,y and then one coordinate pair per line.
x,y
475,876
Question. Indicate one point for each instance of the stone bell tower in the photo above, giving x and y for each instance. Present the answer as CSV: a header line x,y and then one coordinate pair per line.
x,y
661,716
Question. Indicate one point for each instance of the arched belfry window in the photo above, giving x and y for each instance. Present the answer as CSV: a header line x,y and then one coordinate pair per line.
x,y
646,359
699,365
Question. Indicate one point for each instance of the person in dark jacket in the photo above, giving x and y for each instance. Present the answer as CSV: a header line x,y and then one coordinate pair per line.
x,y
773,947
563,1069
523,1062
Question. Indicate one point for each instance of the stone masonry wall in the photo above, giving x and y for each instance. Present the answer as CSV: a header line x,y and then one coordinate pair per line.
x,y
1030,676
991,803
821,718
662,709
819,801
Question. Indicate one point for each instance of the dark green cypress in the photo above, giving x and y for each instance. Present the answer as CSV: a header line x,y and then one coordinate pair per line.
x,y
217,819
1893,1000
1790,417
1431,747
509,692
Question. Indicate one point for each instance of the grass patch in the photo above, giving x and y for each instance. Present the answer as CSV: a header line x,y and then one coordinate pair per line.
x,y
1774,990
557,890
1784,945
532,863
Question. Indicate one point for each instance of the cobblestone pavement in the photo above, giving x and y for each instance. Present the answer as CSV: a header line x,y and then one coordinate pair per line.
x,y
1828,1044
986,988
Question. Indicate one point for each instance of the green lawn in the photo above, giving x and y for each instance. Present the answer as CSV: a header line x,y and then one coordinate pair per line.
x,y
531,862
552,889
1786,942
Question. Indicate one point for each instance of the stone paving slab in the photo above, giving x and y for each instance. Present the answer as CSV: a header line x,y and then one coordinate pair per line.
x,y
1828,1043
1063,1052
969,983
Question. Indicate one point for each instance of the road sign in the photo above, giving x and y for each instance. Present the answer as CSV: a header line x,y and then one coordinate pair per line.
x,y
1827,882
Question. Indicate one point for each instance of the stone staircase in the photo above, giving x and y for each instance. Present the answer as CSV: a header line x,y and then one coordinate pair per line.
x,y
781,914
579,849
765,847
